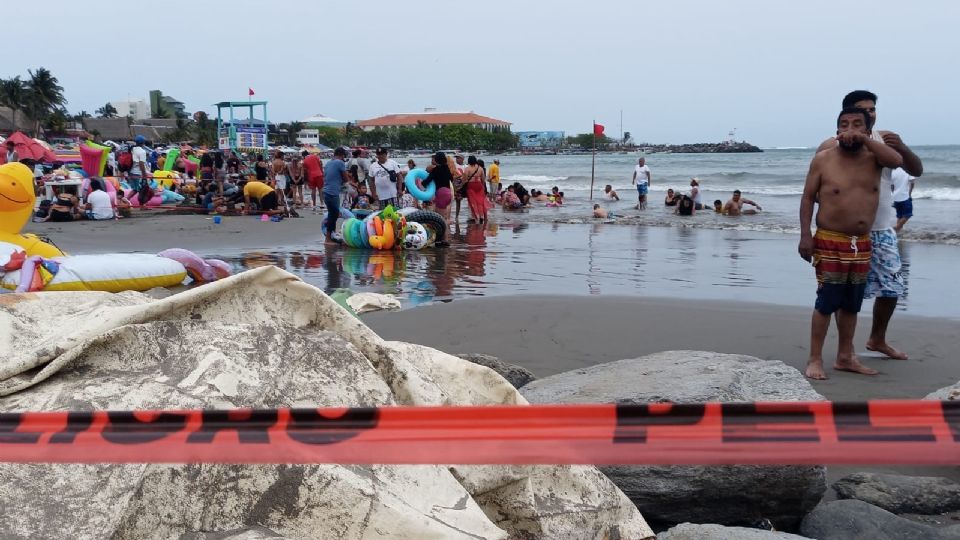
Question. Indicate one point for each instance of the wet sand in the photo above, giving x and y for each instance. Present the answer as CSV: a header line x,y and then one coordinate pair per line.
x,y
516,258
549,335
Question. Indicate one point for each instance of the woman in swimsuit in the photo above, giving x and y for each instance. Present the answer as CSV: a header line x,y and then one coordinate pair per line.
x,y
63,209
279,172
260,169
295,171
439,173
671,198
475,180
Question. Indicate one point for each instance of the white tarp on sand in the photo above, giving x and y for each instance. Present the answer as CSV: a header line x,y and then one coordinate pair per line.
x,y
263,339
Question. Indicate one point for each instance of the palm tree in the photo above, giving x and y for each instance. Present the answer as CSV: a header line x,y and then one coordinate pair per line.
x,y
45,95
107,111
13,94
292,130
57,121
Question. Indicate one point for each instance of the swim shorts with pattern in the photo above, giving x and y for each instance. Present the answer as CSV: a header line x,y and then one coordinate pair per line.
x,y
842,263
885,279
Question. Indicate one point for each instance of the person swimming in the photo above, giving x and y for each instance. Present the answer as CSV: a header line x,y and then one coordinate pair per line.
x,y
671,199
602,213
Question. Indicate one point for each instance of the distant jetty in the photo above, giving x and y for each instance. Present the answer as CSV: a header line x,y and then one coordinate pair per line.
x,y
702,148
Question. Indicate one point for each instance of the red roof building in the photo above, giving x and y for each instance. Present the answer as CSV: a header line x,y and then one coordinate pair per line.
x,y
433,118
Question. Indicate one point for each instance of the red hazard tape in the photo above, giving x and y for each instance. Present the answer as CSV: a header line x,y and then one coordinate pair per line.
x,y
888,432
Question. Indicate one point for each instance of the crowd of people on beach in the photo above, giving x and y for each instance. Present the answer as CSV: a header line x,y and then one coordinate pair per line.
x,y
684,204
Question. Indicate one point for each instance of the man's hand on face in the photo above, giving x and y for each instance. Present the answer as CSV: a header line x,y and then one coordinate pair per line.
x,y
892,140
852,137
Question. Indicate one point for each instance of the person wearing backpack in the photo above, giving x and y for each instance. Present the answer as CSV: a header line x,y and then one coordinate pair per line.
x,y
138,163
385,173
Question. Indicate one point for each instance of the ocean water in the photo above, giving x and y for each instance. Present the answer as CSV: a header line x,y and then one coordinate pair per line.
x,y
504,259
773,178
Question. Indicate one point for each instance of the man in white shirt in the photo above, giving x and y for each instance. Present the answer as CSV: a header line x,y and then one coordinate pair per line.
x,y
385,186
99,206
139,171
641,177
902,197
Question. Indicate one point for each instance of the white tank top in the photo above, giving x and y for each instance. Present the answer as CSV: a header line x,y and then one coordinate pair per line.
x,y
886,215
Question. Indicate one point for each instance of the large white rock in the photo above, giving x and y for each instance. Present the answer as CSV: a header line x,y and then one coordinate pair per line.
x,y
263,339
719,494
947,393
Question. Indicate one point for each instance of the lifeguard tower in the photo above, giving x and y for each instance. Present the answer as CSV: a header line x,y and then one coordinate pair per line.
x,y
242,134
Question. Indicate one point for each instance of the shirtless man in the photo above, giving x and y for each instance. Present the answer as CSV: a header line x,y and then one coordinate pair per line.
x,y
884,281
734,207
610,193
845,180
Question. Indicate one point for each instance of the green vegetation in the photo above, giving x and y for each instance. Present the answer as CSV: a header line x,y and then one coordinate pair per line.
x,y
38,98
585,141
107,111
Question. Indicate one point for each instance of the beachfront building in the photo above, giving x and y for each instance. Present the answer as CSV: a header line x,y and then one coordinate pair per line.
x,y
433,118
310,137
320,120
138,109
162,106
124,129
540,139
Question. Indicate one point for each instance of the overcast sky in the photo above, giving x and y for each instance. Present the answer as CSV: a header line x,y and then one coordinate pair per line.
x,y
681,71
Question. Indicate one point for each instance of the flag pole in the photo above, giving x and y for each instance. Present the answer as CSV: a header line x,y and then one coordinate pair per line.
x,y
593,163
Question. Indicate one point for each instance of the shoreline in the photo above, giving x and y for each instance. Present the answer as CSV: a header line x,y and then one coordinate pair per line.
x,y
507,259
576,212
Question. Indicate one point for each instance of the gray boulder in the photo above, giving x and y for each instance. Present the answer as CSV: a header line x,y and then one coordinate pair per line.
x,y
901,494
694,531
516,375
857,520
710,494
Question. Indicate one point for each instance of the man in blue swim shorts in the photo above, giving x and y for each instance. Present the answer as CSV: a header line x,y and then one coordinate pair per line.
x,y
902,197
641,177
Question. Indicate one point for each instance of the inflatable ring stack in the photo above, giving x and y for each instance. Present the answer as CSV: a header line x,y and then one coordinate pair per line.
x,y
388,229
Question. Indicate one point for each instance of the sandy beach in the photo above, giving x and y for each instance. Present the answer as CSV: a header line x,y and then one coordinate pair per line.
x,y
550,335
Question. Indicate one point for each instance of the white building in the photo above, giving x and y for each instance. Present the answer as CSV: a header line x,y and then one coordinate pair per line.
x,y
309,136
322,120
139,109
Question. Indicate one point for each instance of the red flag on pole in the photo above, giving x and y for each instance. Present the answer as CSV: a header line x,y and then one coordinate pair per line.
x,y
597,129
249,91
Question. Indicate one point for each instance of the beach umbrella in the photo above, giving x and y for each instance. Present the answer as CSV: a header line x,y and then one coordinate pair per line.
x,y
44,144
28,148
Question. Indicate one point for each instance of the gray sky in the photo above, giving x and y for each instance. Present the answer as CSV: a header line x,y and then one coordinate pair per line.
x,y
681,71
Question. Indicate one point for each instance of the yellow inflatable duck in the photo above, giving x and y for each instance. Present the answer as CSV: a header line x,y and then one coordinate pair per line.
x,y
16,209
